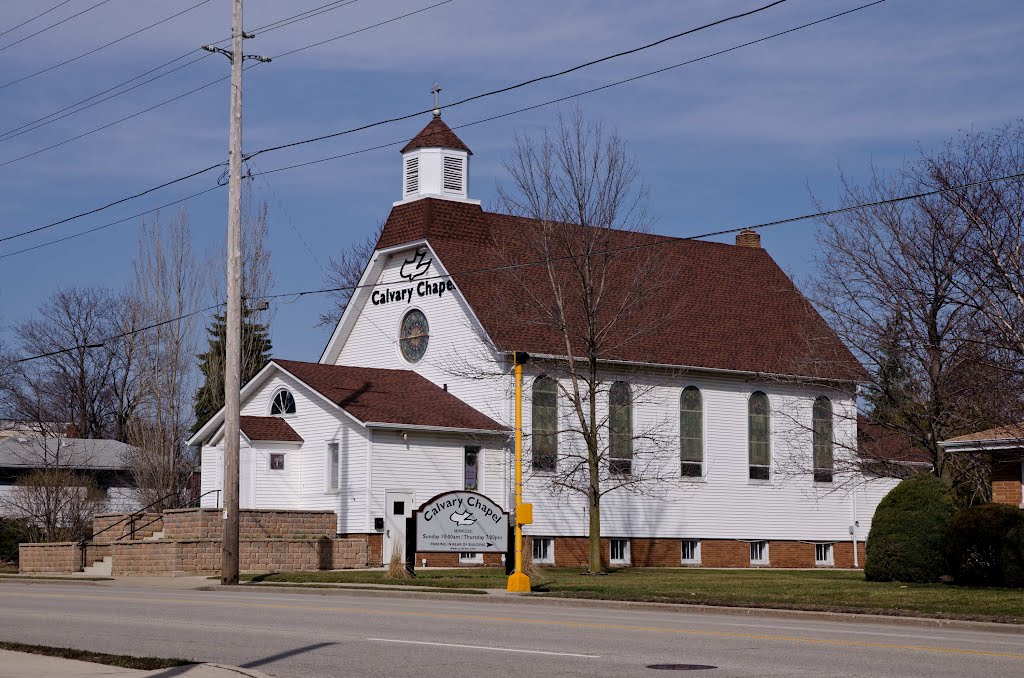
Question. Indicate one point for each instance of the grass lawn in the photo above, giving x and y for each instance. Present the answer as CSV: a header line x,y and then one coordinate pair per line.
x,y
122,660
826,590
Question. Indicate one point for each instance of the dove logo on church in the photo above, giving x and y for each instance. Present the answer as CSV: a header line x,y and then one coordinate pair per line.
x,y
463,519
415,266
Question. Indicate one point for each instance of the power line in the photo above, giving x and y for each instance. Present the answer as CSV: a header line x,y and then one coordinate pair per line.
x,y
37,16
531,81
184,94
542,262
55,115
103,46
109,224
386,121
567,97
43,30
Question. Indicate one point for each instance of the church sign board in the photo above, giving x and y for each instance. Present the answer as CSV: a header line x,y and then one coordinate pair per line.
x,y
461,522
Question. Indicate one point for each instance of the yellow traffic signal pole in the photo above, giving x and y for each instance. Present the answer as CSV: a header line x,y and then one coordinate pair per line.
x,y
518,581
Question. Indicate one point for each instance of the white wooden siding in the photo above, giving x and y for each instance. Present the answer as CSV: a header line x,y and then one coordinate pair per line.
x,y
457,352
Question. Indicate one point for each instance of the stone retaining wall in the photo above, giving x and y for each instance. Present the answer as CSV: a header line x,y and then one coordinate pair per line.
x,y
257,524
52,557
101,523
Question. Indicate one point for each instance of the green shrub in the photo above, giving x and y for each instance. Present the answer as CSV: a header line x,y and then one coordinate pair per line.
x,y
908,532
1013,558
10,535
978,548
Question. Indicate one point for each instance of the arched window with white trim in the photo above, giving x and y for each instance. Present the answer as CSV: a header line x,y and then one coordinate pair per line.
x,y
759,424
620,428
544,424
283,403
691,433
821,426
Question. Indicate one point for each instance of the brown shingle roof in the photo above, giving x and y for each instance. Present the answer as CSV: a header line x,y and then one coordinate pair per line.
x,y
268,428
737,310
436,134
1001,433
389,396
877,443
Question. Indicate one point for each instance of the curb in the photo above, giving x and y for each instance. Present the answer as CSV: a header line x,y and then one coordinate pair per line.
x,y
679,608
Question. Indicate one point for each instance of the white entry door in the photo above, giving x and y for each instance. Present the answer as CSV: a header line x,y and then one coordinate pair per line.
x,y
397,507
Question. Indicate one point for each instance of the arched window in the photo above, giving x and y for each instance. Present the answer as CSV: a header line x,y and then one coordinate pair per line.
x,y
283,403
691,433
822,439
759,436
620,428
544,436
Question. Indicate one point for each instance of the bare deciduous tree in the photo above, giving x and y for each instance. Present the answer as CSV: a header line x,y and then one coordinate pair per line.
x,y
344,273
893,283
166,287
593,295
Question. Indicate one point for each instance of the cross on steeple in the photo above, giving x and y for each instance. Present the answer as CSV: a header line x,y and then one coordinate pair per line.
x,y
436,91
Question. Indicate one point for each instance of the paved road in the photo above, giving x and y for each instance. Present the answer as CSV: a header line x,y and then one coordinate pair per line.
x,y
291,634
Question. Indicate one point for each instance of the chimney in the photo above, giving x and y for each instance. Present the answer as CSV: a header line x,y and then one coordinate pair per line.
x,y
748,237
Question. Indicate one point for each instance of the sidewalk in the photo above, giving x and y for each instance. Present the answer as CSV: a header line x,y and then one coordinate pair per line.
x,y
24,665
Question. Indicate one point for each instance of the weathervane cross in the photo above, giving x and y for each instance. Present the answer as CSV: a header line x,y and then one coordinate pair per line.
x,y
436,91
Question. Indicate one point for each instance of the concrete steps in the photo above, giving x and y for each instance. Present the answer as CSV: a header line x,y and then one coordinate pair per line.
x,y
101,568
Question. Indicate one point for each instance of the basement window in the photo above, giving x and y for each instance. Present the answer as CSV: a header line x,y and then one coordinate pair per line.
x,y
823,555
471,558
543,550
758,553
691,552
619,552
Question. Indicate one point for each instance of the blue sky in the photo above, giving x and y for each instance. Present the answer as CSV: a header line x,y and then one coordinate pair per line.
x,y
741,138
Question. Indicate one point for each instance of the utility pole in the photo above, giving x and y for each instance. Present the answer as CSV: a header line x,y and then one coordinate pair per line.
x,y
233,350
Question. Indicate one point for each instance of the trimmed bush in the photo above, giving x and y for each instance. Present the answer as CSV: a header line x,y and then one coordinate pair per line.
x,y
10,535
908,532
979,549
1013,558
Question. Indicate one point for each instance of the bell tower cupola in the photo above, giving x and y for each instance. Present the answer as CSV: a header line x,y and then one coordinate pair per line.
x,y
435,164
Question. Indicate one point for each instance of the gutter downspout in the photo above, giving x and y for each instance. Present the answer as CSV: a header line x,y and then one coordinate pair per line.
x,y
853,529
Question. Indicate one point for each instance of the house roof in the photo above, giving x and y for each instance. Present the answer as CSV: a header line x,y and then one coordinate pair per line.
x,y
381,396
878,443
268,428
737,310
72,453
1001,434
437,134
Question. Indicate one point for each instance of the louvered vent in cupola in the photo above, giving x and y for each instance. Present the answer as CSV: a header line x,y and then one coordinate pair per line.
x,y
454,173
412,175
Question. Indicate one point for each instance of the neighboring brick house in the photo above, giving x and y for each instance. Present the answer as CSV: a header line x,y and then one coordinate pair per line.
x,y
1005,444
413,396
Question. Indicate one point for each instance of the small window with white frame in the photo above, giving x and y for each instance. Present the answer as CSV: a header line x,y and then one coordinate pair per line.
x,y
543,550
823,555
758,553
471,558
619,554
276,461
691,551
332,467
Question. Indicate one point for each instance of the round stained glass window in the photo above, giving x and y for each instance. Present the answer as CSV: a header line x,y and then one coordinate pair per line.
x,y
414,335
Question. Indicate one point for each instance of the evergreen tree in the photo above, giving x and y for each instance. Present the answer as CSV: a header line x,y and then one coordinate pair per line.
x,y
256,348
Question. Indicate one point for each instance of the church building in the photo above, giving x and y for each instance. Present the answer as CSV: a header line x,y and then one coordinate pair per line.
x,y
728,425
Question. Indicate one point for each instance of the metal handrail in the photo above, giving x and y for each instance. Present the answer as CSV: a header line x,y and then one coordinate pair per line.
x,y
131,517
161,517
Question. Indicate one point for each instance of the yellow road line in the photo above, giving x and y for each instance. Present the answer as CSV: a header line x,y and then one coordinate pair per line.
x,y
537,622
